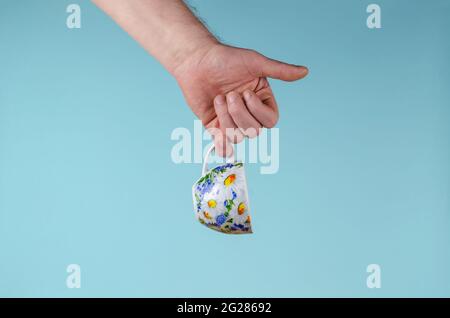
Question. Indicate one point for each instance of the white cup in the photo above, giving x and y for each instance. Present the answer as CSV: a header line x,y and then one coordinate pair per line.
x,y
221,198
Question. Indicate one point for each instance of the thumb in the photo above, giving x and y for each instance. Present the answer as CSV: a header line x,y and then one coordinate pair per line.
x,y
282,71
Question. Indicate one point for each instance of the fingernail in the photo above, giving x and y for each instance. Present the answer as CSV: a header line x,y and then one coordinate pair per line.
x,y
247,95
220,100
232,97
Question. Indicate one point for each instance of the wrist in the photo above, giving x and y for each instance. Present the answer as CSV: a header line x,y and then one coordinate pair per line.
x,y
191,53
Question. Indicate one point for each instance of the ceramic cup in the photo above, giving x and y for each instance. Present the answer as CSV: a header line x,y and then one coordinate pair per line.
x,y
221,198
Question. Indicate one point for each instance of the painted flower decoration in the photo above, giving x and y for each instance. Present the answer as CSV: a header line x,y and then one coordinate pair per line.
x,y
221,219
233,180
209,206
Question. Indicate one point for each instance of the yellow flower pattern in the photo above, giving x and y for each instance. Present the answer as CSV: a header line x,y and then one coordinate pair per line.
x,y
212,203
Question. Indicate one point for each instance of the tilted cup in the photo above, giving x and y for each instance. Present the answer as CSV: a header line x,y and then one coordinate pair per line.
x,y
221,198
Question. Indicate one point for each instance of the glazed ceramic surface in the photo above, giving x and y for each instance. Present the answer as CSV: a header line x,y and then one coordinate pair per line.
x,y
221,199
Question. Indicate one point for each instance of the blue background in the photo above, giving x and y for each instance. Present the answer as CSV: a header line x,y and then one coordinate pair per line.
x,y
86,175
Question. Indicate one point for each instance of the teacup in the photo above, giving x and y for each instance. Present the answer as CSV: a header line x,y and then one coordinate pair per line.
x,y
221,198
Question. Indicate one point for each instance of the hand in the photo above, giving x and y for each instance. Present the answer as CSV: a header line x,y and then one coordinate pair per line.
x,y
227,88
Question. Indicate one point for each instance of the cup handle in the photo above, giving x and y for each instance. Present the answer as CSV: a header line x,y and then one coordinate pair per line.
x,y
205,160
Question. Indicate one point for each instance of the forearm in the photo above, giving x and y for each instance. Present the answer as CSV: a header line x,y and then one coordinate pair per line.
x,y
167,29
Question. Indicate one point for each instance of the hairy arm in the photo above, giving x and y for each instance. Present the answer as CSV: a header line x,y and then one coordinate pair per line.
x,y
167,29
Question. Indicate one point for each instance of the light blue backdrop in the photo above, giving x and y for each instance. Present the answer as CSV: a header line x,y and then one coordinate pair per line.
x,y
86,175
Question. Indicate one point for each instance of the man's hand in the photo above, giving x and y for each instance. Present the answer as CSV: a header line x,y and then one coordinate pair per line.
x,y
227,89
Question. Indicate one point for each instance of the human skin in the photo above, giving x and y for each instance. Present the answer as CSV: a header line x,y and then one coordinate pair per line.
x,y
226,87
